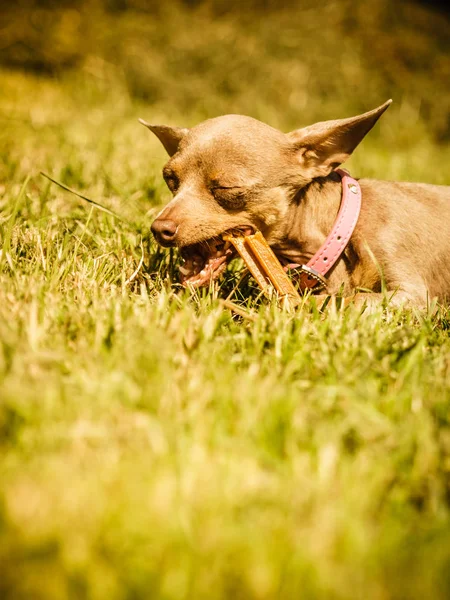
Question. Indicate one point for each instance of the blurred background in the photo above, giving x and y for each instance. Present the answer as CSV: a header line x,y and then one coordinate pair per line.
x,y
287,62
104,63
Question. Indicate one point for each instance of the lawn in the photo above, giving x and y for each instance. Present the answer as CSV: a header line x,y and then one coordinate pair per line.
x,y
153,444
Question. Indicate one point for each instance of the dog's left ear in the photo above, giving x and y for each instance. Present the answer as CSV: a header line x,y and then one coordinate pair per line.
x,y
324,146
170,137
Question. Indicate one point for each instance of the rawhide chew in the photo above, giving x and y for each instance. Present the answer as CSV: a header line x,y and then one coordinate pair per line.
x,y
259,275
264,265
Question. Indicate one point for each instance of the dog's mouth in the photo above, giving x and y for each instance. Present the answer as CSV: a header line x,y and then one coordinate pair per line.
x,y
207,260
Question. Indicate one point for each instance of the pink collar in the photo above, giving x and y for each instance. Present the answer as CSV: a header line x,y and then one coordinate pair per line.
x,y
313,273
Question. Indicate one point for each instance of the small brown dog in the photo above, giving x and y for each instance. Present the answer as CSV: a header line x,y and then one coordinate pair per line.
x,y
236,173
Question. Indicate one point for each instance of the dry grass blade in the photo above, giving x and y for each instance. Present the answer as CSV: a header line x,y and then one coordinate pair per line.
x,y
141,262
85,198
245,314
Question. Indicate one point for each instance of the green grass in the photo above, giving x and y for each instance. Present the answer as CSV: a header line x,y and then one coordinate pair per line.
x,y
152,445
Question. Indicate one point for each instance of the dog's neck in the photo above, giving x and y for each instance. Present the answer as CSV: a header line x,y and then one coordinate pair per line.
x,y
309,219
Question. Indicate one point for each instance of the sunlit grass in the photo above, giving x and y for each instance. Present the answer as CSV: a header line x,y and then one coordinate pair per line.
x,y
153,445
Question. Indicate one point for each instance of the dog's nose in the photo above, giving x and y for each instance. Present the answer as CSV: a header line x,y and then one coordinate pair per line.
x,y
164,231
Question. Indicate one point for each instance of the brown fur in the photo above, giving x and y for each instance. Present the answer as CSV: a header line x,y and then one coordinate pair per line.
x,y
234,170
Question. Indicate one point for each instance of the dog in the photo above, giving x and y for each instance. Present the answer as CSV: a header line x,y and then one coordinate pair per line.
x,y
234,172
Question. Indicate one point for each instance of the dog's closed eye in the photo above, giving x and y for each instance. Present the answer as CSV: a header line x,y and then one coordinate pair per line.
x,y
172,181
232,198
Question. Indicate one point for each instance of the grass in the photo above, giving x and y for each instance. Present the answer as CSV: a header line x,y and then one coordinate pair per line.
x,y
153,445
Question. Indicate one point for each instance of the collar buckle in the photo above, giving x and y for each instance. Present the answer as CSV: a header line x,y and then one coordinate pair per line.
x,y
311,279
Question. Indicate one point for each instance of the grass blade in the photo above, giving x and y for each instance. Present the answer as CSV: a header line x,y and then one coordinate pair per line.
x,y
85,198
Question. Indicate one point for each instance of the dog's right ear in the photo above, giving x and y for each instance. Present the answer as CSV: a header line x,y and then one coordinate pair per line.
x,y
322,147
170,137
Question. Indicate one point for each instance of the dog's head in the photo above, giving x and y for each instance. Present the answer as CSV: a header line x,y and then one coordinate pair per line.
x,y
235,173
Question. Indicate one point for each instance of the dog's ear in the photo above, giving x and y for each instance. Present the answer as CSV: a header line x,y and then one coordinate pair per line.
x,y
170,137
324,146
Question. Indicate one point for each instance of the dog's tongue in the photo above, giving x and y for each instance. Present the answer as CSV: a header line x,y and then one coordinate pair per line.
x,y
197,274
205,263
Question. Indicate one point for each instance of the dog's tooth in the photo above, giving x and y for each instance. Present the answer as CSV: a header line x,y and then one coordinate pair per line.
x,y
184,271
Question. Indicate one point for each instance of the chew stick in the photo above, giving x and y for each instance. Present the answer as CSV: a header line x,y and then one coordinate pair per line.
x,y
260,276
264,265
270,264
